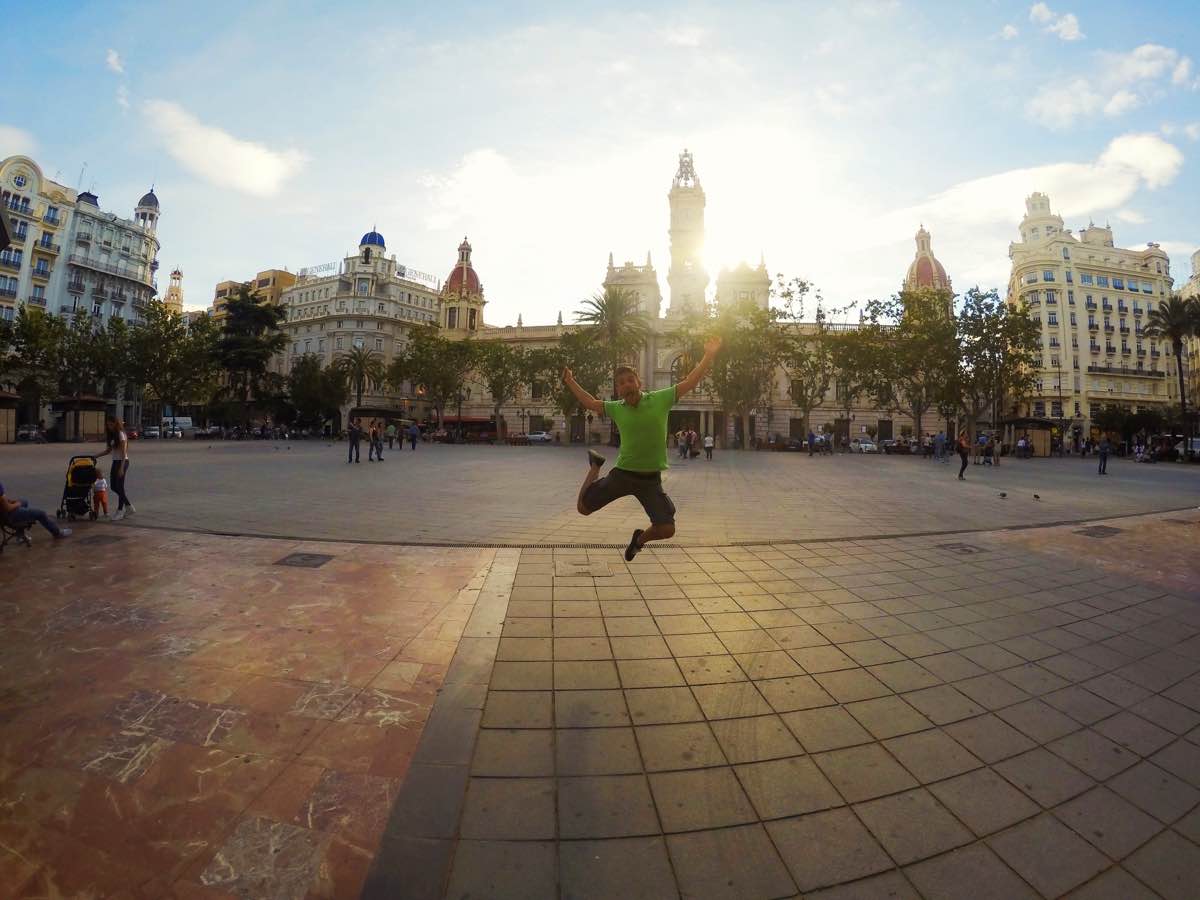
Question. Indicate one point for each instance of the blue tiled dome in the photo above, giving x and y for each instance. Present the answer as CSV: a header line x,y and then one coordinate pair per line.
x,y
373,239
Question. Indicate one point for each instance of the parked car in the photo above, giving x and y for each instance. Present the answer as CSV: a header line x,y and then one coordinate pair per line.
x,y
30,433
863,445
133,433
151,433
172,432
540,437
893,445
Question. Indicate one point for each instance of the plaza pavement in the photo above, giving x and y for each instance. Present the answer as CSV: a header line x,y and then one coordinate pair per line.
x,y
995,714
524,496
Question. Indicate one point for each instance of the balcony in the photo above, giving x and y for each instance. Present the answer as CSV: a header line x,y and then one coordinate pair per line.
x,y
1124,329
118,297
1109,348
8,292
1108,329
1095,348
1090,304
21,209
1033,302
1093,326
84,237
1125,370
41,272
1107,307
52,219
36,301
1155,354
1141,352
80,259
1137,310
1121,307
76,287
10,262
98,291
1126,351
1054,345
47,246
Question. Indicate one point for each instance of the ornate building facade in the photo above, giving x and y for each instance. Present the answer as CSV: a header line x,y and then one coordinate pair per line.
x,y
1091,299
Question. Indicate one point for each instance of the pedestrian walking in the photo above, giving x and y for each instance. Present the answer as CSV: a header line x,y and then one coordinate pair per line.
x,y
391,434
964,449
1105,448
100,494
354,435
118,447
939,446
812,442
413,433
379,441
708,446
642,418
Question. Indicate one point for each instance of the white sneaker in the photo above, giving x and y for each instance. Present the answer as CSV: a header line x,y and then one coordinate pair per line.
x,y
129,510
118,515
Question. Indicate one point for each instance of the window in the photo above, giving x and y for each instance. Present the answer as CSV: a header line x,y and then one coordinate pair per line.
x,y
358,341
1085,278
1070,277
1056,409
1051,297
1047,275
1031,278
1077,413
378,343
1147,288
452,317
1032,297
1073,318
1052,320
307,346
321,345
1071,298
364,285
1102,280
471,313
1067,254
1039,408
337,343
39,291
20,181
379,308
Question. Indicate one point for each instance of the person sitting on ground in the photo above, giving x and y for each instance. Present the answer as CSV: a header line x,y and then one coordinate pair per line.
x,y
18,514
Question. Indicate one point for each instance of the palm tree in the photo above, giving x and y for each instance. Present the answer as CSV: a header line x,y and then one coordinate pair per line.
x,y
362,367
612,320
1176,320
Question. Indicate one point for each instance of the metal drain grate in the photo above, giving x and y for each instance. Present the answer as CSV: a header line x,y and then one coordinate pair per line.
x,y
304,560
960,547
99,540
1098,531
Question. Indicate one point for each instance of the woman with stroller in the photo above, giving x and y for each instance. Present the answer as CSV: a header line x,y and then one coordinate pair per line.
x,y
118,446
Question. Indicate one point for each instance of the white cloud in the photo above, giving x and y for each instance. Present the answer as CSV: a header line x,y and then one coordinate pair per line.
x,y
1123,81
684,36
1121,102
113,60
1008,32
1130,215
122,96
1192,130
16,141
217,156
1065,26
973,221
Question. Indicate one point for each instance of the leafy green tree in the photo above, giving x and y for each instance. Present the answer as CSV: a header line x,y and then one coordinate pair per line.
x,y
503,369
585,358
742,379
177,363
317,392
612,320
77,358
112,355
437,367
251,335
916,351
806,353
37,338
998,349
1176,320
362,368
853,352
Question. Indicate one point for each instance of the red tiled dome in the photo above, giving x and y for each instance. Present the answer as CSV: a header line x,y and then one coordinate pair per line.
x,y
463,280
927,273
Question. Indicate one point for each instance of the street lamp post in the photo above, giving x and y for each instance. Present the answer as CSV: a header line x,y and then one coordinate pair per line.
x,y
522,415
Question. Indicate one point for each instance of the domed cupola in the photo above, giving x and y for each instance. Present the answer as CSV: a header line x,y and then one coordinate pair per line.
x,y
372,239
463,281
146,212
925,271
462,296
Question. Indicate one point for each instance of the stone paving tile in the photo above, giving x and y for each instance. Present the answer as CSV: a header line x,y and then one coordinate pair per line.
x,y
1156,791
504,870
1168,864
700,799
685,746
891,820
487,814
633,868
1048,855
848,850
731,864
1044,777
825,728
975,871
1108,822
931,755
984,801
605,806
863,773
1115,884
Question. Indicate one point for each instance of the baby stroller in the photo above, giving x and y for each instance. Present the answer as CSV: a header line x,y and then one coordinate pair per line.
x,y
77,493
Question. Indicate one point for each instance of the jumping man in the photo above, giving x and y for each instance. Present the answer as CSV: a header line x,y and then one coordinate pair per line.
x,y
641,417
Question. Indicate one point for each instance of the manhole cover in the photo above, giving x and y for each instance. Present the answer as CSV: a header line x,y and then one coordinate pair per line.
x,y
305,560
959,547
1099,531
97,540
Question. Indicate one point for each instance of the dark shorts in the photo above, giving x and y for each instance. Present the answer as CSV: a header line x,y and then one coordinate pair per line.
x,y
645,486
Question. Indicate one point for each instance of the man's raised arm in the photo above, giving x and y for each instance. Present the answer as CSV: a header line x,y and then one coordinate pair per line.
x,y
586,400
711,346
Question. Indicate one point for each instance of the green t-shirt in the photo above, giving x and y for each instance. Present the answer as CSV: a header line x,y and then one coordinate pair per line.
x,y
643,430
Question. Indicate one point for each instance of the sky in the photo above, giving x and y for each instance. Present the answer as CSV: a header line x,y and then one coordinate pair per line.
x,y
277,133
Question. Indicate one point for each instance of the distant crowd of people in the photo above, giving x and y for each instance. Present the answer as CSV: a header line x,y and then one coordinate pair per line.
x,y
688,441
376,432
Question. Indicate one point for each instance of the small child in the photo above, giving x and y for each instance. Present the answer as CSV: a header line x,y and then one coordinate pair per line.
x,y
100,494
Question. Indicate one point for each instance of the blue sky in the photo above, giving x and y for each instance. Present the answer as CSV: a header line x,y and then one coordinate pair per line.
x,y
277,133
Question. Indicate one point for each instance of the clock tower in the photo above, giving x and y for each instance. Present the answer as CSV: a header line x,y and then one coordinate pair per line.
x,y
686,277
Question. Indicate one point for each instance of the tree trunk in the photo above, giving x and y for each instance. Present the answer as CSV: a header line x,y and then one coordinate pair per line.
x,y
1178,347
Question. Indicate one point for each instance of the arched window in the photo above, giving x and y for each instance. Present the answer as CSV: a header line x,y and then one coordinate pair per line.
x,y
366,254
